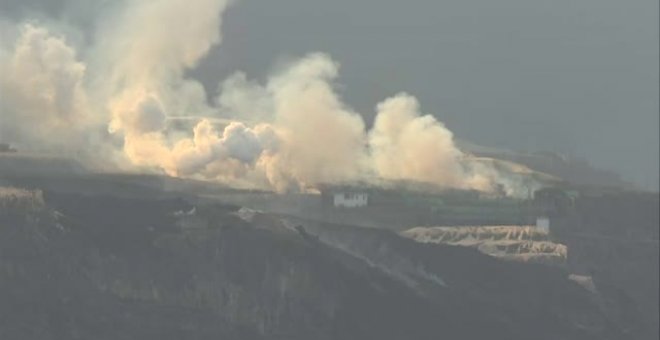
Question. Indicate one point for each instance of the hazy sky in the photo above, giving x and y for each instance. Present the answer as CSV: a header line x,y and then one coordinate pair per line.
x,y
576,77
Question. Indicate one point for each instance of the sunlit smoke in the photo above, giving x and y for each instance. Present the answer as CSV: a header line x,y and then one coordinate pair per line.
x,y
293,132
43,100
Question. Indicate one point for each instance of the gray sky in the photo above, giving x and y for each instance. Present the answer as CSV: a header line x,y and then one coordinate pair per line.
x,y
576,77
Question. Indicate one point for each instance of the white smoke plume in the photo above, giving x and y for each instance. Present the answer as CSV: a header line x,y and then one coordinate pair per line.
x,y
146,53
42,94
407,145
291,133
321,140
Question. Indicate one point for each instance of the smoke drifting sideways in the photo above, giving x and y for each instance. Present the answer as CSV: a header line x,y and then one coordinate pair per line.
x,y
112,104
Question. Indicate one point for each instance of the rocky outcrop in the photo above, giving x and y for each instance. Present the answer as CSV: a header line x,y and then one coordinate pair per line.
x,y
515,243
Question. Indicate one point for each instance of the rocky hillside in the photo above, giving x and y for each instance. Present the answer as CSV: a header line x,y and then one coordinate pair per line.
x,y
102,267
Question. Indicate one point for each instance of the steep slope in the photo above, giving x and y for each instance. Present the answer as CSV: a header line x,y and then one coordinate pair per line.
x,y
102,267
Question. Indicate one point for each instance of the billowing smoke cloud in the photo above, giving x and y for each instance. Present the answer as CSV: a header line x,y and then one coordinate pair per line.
x,y
405,144
244,99
43,101
291,133
320,139
238,143
146,54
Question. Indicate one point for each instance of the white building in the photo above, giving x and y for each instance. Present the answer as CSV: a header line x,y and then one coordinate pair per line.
x,y
543,223
350,199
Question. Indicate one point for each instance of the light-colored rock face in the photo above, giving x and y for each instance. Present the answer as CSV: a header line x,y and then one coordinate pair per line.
x,y
517,243
20,200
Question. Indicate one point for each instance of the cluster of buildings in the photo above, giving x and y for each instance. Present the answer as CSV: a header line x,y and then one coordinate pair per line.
x,y
404,205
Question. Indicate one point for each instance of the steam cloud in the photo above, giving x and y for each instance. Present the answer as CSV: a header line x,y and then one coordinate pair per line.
x,y
291,133
59,107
